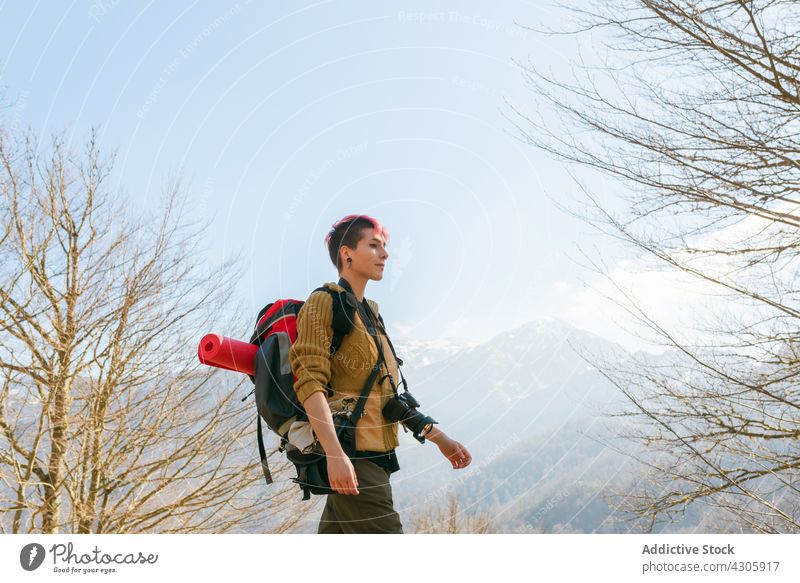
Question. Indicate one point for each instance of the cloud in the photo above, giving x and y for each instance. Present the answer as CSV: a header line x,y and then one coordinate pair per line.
x,y
667,297
674,299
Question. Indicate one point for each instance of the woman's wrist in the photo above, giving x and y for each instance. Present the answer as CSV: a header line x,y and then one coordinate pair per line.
x,y
321,419
434,434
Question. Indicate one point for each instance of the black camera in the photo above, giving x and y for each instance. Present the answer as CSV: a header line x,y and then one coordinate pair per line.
x,y
403,409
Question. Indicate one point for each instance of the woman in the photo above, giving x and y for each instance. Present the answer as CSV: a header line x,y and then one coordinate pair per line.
x,y
363,499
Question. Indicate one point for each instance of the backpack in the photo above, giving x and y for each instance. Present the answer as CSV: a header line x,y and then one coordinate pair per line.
x,y
276,401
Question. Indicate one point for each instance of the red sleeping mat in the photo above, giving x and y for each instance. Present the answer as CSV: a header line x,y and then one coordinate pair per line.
x,y
227,353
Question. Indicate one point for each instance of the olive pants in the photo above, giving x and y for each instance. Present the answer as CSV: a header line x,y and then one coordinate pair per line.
x,y
371,511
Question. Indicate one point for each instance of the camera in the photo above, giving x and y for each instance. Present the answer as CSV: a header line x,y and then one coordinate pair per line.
x,y
403,409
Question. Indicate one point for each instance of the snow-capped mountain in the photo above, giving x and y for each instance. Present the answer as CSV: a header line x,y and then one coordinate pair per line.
x,y
527,381
419,353
539,373
528,403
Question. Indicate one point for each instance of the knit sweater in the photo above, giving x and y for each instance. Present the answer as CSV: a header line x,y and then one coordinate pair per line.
x,y
346,371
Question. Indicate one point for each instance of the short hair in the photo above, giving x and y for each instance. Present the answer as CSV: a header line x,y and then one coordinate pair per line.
x,y
348,232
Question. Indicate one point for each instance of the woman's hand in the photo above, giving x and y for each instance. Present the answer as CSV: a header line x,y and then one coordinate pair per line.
x,y
342,475
456,453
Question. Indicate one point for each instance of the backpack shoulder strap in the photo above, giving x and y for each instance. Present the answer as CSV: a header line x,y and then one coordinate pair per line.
x,y
343,316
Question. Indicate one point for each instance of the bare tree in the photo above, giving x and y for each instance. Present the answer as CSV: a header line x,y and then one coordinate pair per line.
x,y
108,424
451,520
694,105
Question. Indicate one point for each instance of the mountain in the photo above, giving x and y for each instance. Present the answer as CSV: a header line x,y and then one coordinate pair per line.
x,y
518,382
419,353
564,481
529,405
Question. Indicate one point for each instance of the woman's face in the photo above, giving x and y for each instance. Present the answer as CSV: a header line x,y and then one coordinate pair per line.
x,y
369,257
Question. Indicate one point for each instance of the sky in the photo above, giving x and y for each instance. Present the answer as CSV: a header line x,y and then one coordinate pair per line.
x,y
282,117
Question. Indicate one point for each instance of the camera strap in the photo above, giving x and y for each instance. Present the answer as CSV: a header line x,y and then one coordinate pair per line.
x,y
364,313
397,360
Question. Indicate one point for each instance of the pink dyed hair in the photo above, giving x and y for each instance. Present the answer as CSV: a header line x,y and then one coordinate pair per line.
x,y
342,233
380,229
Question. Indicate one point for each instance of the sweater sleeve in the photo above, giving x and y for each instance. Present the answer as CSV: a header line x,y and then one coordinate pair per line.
x,y
310,354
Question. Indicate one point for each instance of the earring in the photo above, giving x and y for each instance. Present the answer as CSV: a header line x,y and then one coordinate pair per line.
x,y
349,262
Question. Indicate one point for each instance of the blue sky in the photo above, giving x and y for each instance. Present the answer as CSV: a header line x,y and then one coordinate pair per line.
x,y
284,116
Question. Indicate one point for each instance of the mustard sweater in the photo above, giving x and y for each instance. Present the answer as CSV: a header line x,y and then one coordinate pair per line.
x,y
346,371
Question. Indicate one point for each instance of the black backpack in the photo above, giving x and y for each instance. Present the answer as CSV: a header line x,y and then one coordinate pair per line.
x,y
275,332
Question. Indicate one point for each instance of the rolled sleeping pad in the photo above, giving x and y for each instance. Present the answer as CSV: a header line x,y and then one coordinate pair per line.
x,y
227,353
